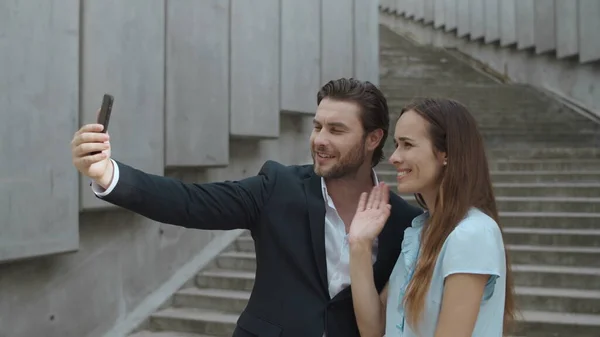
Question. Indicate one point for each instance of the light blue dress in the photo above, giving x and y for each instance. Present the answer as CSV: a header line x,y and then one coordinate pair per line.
x,y
475,246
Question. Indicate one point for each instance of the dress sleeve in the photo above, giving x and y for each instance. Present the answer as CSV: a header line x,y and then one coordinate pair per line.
x,y
476,247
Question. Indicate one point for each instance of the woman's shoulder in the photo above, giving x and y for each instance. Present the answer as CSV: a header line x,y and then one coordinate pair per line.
x,y
476,225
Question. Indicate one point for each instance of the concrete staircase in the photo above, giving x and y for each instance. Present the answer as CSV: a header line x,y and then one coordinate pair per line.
x,y
209,305
546,171
545,162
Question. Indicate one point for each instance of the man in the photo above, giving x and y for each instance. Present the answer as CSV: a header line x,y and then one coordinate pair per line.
x,y
298,215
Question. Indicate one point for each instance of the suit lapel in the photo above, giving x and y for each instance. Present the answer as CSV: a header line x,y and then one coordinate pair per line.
x,y
382,254
316,214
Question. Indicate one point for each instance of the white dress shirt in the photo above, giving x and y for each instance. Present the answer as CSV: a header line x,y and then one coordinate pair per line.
x,y
336,245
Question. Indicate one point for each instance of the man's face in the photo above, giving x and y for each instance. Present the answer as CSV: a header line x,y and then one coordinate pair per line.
x,y
337,141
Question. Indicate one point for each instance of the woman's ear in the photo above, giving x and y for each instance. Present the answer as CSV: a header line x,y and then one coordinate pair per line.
x,y
443,158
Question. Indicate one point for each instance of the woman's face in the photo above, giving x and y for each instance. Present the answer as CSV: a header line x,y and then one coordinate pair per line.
x,y
418,165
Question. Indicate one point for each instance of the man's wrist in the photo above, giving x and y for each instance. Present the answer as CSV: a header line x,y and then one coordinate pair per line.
x,y
107,177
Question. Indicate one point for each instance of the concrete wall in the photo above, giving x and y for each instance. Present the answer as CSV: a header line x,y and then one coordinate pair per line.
x,y
204,91
550,44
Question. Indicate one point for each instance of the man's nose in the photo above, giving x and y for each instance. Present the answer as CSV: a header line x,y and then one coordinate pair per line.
x,y
321,138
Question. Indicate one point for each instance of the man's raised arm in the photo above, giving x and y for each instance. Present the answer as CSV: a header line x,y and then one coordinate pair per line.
x,y
219,205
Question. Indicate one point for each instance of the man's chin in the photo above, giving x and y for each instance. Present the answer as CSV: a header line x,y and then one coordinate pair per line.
x,y
321,171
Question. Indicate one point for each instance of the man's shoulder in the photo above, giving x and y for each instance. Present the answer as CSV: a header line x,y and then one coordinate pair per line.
x,y
402,208
272,167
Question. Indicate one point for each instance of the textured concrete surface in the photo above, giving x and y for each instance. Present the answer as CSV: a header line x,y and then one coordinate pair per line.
x,y
188,77
123,258
567,78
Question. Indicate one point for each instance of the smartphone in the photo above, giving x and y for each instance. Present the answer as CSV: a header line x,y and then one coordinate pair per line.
x,y
104,116
105,110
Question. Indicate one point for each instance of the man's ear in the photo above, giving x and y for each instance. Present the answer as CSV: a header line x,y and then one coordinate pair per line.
x,y
374,138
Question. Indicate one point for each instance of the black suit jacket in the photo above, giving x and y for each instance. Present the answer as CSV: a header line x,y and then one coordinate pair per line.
x,y
283,207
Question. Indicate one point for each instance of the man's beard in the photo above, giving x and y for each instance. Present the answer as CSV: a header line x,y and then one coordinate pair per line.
x,y
346,166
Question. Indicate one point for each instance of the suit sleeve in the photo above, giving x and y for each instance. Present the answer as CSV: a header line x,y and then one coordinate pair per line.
x,y
219,205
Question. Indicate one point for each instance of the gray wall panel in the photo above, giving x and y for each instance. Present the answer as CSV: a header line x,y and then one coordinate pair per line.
x,y
38,117
300,54
419,6
525,24
337,40
492,21
429,11
508,22
463,24
123,54
450,14
197,75
589,30
255,65
410,8
477,19
567,34
439,13
545,31
366,41
400,6
389,4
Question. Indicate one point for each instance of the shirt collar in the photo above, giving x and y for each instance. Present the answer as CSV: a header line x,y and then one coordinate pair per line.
x,y
326,194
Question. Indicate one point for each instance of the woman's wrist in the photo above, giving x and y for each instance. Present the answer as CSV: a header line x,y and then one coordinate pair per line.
x,y
358,244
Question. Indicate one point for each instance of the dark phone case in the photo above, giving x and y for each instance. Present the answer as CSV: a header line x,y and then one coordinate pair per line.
x,y
104,116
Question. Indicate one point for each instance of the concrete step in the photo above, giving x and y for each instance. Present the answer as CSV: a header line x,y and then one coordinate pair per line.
x,y
554,255
553,324
575,154
558,300
200,321
545,176
391,77
585,278
552,236
584,189
567,220
523,176
424,69
245,244
511,165
548,204
237,260
549,141
498,97
166,334
226,279
530,146
545,135
579,126
539,204
230,301
566,165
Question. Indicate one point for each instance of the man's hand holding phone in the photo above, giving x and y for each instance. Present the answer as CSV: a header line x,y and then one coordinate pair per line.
x,y
90,148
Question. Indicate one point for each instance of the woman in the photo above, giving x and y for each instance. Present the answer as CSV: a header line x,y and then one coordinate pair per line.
x,y
452,277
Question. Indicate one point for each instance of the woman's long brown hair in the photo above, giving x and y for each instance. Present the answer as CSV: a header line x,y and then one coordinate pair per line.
x,y
464,183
